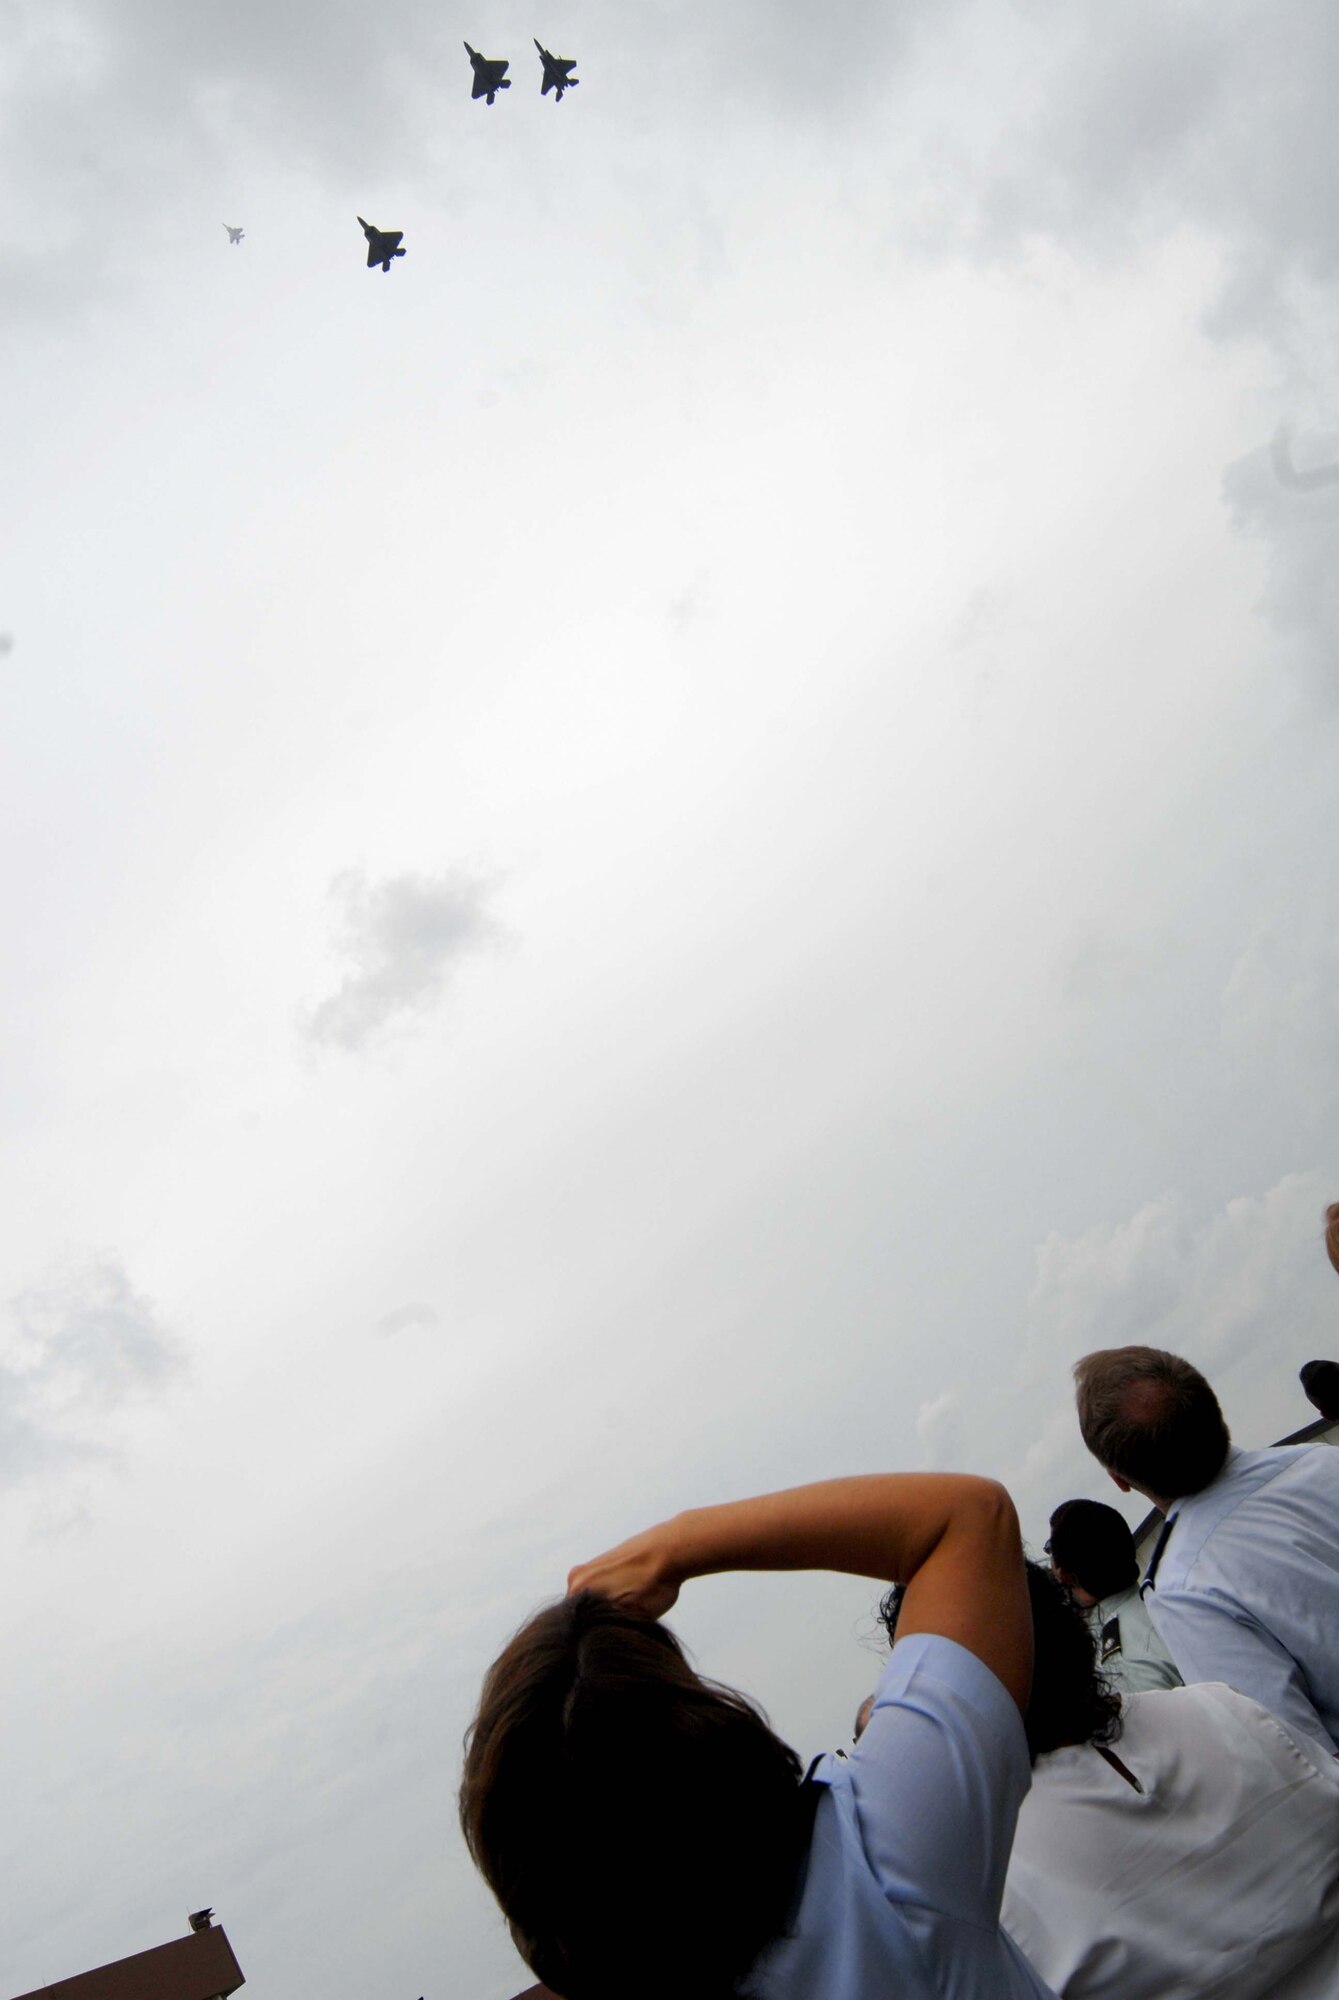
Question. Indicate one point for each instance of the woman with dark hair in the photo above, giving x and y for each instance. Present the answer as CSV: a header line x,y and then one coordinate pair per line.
x,y
644,1830
1198,1861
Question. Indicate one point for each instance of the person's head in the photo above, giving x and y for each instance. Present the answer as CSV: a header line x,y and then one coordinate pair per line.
x,y
640,1826
1071,1700
1332,1233
1092,1550
1152,1420
1320,1379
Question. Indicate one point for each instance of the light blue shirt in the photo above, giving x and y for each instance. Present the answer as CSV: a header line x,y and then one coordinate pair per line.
x,y
1247,1587
900,1895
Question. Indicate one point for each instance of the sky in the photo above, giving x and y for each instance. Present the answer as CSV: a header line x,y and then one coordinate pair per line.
x,y
680,847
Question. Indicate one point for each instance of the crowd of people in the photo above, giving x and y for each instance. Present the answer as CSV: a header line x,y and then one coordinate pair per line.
x,y
1069,1781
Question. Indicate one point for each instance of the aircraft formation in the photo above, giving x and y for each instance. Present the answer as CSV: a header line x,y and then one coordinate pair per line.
x,y
490,76
490,73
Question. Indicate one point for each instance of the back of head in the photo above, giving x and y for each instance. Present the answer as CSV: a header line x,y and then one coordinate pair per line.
x,y
640,1826
1151,1418
1320,1379
1071,1701
1092,1543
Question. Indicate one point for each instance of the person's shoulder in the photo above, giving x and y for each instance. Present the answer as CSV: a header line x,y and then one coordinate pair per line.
x,y
934,1688
1316,1464
927,1658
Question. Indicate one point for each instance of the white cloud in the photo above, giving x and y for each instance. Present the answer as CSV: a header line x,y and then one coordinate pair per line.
x,y
84,1343
1216,1288
404,937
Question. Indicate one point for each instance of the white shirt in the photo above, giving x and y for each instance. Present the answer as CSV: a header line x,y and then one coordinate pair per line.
x,y
1213,1882
900,1891
1247,1587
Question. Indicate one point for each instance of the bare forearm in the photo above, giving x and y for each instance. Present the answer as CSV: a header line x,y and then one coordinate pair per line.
x,y
882,1525
951,1538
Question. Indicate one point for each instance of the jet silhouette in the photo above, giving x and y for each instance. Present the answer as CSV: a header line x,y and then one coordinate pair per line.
x,y
382,245
489,75
557,73
234,235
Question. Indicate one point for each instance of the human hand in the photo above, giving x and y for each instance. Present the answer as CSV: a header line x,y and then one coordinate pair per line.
x,y
638,1573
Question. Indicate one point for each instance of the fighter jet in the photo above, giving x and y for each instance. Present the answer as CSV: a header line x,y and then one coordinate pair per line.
x,y
489,75
234,235
557,73
382,245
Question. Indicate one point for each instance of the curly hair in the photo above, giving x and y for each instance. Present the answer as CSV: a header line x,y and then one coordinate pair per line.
x,y
1071,1700
635,1821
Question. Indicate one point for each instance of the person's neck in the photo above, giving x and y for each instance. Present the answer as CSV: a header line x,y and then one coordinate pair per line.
x,y
1164,1506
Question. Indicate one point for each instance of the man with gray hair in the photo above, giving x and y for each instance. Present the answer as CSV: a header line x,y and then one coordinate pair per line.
x,y
1243,1582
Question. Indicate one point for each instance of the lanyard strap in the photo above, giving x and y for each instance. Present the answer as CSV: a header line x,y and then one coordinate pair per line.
x,y
1151,1573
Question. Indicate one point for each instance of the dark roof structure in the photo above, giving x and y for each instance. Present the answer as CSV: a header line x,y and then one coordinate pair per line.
x,y
200,1966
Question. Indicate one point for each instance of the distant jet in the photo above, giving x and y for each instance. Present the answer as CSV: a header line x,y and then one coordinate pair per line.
x,y
234,235
557,73
490,76
381,245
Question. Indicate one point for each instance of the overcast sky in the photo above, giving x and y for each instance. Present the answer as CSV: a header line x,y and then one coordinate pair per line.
x,y
681,847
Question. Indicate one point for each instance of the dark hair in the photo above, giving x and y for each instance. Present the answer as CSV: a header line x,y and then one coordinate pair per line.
x,y
1071,1700
639,1825
1152,1418
1320,1379
1093,1543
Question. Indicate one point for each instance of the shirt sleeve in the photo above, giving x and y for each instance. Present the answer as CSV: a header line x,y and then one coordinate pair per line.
x,y
1212,1639
938,1777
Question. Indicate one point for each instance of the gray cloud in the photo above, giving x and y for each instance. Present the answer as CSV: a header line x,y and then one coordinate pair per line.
x,y
404,937
405,1319
1122,126
82,1344
1296,518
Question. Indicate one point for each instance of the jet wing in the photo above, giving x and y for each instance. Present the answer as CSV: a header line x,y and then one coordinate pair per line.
x,y
481,85
382,246
547,84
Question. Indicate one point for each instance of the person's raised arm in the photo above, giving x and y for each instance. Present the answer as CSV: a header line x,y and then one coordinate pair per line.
x,y
952,1539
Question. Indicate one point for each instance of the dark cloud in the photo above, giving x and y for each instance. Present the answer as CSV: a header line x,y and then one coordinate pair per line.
x,y
403,938
82,1344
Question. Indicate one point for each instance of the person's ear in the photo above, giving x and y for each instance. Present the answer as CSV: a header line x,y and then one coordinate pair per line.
x,y
1123,1484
